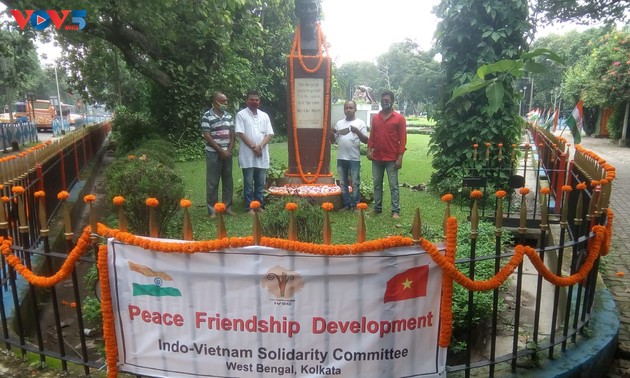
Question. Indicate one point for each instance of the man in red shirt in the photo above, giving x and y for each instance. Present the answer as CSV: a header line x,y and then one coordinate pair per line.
x,y
386,146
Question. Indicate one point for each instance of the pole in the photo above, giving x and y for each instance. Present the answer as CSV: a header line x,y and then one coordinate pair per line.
x,y
531,92
59,98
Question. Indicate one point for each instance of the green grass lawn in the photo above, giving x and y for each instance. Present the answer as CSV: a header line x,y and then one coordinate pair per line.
x,y
416,170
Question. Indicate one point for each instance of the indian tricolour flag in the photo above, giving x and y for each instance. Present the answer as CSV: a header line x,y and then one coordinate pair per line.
x,y
157,287
575,121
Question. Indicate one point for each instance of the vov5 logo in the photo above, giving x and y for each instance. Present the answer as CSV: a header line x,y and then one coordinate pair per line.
x,y
40,19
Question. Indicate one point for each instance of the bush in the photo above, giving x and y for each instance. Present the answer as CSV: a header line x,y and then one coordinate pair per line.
x,y
137,180
309,220
483,271
157,149
130,130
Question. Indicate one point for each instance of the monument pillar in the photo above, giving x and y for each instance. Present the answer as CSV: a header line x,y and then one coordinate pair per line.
x,y
309,118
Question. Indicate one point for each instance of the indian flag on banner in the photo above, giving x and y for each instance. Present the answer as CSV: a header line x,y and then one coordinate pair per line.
x,y
156,289
575,121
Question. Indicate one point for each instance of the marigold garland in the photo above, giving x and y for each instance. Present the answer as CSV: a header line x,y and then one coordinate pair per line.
x,y
89,198
17,190
5,199
500,194
291,206
476,194
82,246
118,201
580,186
185,203
362,206
254,205
545,190
297,52
107,313
594,183
39,194
523,191
566,188
63,195
152,202
328,206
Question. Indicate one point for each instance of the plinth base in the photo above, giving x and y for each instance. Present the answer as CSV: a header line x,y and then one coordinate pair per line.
x,y
323,190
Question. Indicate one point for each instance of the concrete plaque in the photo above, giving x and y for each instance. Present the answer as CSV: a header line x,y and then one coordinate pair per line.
x,y
309,103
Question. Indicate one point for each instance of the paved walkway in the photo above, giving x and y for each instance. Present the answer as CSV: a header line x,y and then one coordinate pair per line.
x,y
618,261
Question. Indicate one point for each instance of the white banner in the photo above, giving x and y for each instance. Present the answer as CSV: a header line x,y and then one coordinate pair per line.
x,y
265,312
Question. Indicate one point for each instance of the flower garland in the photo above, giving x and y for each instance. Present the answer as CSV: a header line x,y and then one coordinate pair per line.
x,y
519,252
107,313
82,246
296,52
446,306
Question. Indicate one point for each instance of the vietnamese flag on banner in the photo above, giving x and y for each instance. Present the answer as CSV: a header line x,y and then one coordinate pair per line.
x,y
411,283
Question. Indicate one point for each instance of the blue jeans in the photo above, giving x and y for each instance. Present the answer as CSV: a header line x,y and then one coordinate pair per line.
x,y
378,171
218,170
253,185
349,169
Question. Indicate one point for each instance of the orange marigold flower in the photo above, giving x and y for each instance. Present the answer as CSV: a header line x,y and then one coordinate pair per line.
x,y
63,195
488,144
580,186
513,145
526,145
291,206
185,203
594,183
362,206
566,188
254,205
500,145
475,145
447,197
476,194
524,191
39,194
131,157
500,194
327,206
118,200
603,181
1,186
18,190
89,198
620,274
220,207
5,199
152,202
545,190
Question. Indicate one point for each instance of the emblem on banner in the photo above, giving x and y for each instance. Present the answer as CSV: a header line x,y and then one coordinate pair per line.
x,y
156,289
282,284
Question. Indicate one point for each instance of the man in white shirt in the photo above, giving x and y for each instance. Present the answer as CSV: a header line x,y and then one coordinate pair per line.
x,y
253,127
349,133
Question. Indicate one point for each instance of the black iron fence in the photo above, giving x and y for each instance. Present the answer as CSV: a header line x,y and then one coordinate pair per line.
x,y
528,315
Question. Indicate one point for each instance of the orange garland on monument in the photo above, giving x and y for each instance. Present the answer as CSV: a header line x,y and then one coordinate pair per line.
x,y
296,52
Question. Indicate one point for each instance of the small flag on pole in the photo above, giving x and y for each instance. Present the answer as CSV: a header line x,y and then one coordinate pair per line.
x,y
575,121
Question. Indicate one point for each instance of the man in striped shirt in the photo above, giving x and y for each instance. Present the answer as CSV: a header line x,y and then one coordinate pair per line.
x,y
217,126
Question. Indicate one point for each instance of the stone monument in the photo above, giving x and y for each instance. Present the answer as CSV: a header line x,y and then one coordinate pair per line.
x,y
309,100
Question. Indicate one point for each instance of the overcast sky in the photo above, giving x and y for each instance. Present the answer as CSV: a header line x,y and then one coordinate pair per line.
x,y
360,30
